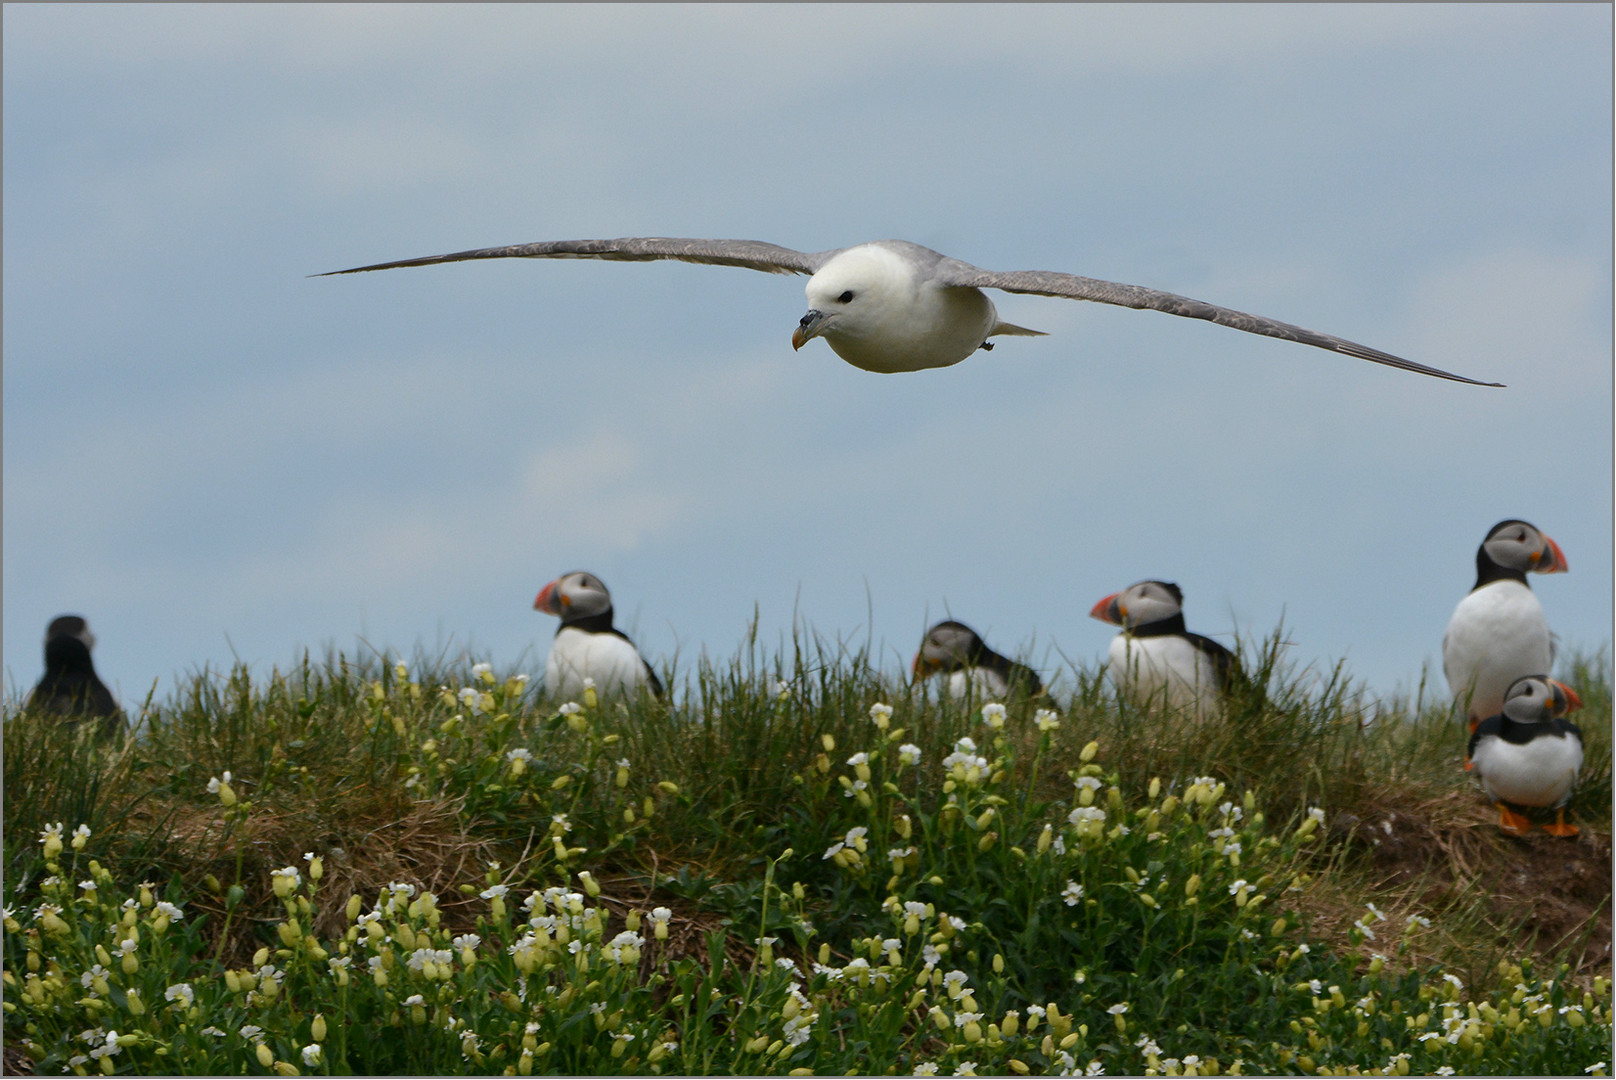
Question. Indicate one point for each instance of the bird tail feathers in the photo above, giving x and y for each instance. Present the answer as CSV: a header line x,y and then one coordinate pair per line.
x,y
1012,328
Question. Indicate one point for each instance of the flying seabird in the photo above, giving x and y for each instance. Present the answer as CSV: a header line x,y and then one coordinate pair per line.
x,y
587,645
895,306
1498,632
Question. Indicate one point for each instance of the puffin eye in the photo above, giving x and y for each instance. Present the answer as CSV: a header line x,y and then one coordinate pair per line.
x,y
846,297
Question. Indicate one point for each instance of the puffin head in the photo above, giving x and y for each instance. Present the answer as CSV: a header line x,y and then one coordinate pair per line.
x,y
1140,604
577,595
1537,699
948,646
1520,545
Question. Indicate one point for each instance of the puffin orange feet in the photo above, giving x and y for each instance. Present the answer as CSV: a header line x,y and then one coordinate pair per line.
x,y
1560,828
1511,822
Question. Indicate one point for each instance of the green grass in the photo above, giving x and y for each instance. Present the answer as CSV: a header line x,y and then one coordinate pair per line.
x,y
760,878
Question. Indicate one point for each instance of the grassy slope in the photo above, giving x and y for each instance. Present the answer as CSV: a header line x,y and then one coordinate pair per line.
x,y
344,759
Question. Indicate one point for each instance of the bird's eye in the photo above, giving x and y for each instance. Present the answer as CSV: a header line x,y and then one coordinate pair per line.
x,y
846,297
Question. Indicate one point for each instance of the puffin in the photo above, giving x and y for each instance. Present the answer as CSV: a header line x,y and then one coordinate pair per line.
x,y
1498,633
1155,654
587,645
972,667
1529,754
70,688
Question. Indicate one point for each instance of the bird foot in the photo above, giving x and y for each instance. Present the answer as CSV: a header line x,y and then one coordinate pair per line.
x,y
1560,828
1511,822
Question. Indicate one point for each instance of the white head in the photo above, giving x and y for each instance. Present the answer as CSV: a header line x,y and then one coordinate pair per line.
x,y
577,595
1140,604
878,308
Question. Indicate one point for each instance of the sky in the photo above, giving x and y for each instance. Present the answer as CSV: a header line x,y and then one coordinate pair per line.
x,y
218,458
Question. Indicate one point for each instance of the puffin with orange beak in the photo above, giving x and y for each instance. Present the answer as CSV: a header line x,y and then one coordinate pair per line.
x,y
1155,657
1529,755
973,669
1498,633
587,645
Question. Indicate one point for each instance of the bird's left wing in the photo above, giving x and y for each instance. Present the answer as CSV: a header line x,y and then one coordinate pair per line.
x,y
1073,287
750,254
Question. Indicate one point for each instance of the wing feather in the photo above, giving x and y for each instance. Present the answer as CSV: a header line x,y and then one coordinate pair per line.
x,y
1073,287
750,254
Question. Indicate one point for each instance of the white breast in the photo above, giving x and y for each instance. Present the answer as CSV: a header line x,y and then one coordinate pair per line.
x,y
1162,670
1497,635
903,323
612,662
1541,772
980,684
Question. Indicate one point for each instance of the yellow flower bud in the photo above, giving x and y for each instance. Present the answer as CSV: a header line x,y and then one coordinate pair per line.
x,y
266,1057
1088,752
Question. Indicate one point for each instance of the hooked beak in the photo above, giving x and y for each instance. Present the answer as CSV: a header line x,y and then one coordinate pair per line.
x,y
812,325
1551,559
549,600
1573,702
1108,610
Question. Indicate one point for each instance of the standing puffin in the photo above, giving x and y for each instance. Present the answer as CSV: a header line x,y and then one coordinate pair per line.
x,y
70,688
1498,633
1529,754
972,667
587,645
1154,655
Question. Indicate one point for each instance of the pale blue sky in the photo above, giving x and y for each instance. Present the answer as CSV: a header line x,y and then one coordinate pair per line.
x,y
210,454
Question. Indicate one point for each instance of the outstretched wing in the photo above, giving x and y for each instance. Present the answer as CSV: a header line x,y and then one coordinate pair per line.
x,y
1073,287
750,254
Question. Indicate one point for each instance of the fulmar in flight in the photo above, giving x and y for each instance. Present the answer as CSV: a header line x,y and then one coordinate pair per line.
x,y
895,306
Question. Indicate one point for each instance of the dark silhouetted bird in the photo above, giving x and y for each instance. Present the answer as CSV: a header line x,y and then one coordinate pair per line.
x,y
70,688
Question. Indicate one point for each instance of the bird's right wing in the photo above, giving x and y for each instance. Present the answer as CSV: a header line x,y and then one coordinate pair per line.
x,y
750,254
